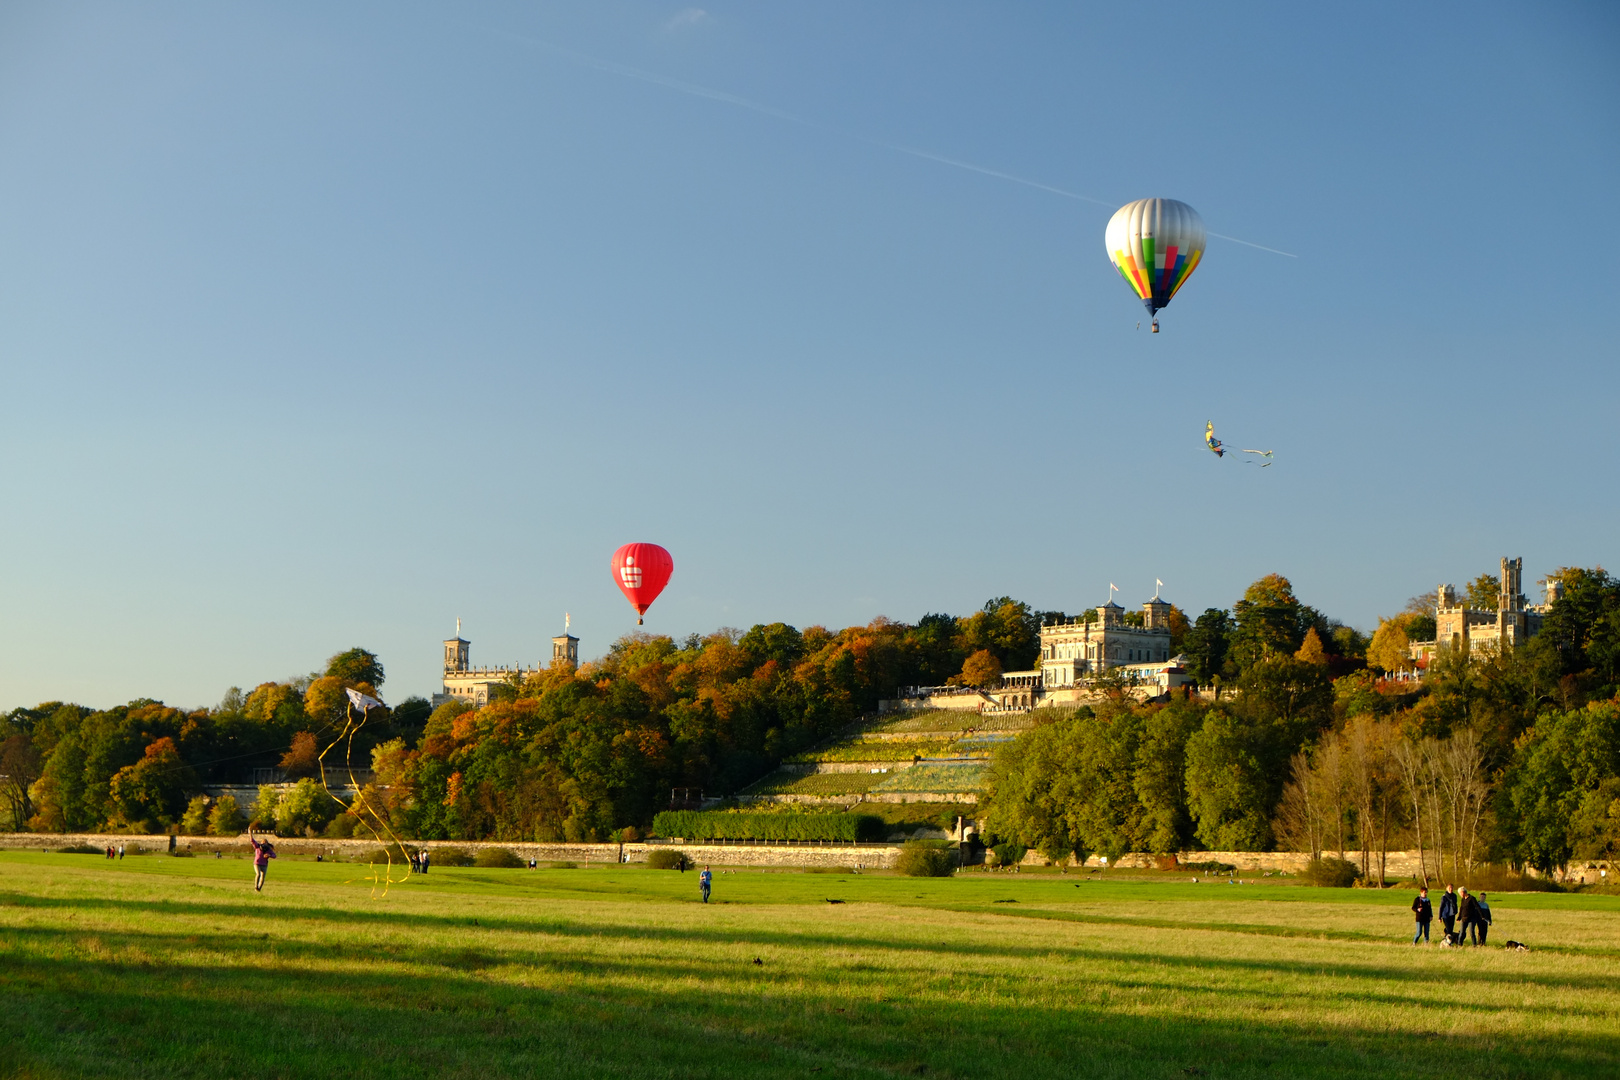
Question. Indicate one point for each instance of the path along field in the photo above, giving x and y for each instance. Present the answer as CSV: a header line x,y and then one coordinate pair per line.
x,y
169,967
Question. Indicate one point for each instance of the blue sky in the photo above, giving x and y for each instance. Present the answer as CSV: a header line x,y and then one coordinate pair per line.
x,y
322,326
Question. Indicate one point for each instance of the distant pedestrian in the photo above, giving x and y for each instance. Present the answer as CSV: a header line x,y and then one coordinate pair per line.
x,y
1484,919
120,852
424,860
1424,912
416,863
263,852
109,851
1448,912
705,879
1468,912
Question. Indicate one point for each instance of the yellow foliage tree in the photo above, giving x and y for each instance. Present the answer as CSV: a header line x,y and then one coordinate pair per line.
x,y
1388,650
981,669
1312,652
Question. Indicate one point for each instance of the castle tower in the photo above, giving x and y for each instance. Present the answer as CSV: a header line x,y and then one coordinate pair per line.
x,y
1156,614
565,647
457,652
1512,595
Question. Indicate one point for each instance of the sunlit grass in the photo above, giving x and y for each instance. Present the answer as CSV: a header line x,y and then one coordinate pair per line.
x,y
174,967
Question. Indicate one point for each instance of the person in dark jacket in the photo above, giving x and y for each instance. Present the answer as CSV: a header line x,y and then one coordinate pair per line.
x,y
1468,911
1424,911
1484,919
1448,911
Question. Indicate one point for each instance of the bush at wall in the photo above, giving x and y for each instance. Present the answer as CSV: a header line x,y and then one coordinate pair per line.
x,y
1331,872
922,859
498,858
666,859
728,825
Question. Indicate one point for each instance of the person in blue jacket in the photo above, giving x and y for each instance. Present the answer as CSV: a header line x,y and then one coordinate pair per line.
x,y
1448,911
1424,911
705,879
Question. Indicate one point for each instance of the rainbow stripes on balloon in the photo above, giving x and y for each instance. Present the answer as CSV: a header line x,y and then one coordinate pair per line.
x,y
1155,244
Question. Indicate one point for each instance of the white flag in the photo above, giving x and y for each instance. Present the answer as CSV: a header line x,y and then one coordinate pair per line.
x,y
361,701
1159,583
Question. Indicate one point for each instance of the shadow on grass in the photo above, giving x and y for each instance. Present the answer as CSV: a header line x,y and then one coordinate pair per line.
x,y
145,1018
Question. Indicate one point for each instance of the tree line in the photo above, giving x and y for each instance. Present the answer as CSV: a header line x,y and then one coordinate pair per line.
x,y
1508,756
562,754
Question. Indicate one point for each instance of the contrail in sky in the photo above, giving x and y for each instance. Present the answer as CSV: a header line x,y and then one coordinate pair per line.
x,y
695,90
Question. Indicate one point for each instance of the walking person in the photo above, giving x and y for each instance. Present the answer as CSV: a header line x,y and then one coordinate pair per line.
x,y
262,854
1424,911
1484,919
416,863
120,852
1448,913
705,879
424,860
1468,911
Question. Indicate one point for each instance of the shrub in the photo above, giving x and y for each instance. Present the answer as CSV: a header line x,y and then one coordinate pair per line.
x,y
225,819
1490,878
498,858
730,825
451,856
194,822
1331,872
81,849
668,859
342,827
921,859
1009,853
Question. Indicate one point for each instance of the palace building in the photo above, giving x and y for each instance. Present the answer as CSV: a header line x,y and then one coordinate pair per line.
x,y
1072,650
1514,622
463,682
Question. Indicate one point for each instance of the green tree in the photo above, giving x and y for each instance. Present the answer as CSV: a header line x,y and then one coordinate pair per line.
x,y
1485,592
1206,644
1584,622
1034,789
1562,784
354,667
226,819
1160,776
305,808
1268,621
1229,789
194,822
152,792
1009,629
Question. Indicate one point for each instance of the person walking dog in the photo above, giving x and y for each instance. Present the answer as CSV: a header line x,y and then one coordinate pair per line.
x,y
1424,911
705,880
262,854
1448,912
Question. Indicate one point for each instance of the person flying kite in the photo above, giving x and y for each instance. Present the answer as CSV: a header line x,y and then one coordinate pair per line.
x,y
1211,441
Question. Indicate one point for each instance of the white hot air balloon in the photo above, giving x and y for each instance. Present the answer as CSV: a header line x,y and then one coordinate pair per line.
x,y
1155,244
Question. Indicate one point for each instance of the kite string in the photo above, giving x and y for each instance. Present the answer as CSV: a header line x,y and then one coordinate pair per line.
x,y
350,730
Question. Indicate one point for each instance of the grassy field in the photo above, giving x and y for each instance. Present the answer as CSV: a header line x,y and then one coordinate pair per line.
x,y
163,967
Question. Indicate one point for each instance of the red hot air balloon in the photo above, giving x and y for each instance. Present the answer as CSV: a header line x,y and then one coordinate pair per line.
x,y
641,571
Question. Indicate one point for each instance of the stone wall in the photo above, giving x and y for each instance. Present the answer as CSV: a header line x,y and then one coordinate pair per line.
x,y
871,856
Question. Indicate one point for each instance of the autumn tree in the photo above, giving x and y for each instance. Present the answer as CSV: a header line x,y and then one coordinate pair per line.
x,y
1311,651
982,669
152,792
303,758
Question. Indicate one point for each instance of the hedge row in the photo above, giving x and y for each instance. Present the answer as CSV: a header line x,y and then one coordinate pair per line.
x,y
725,825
